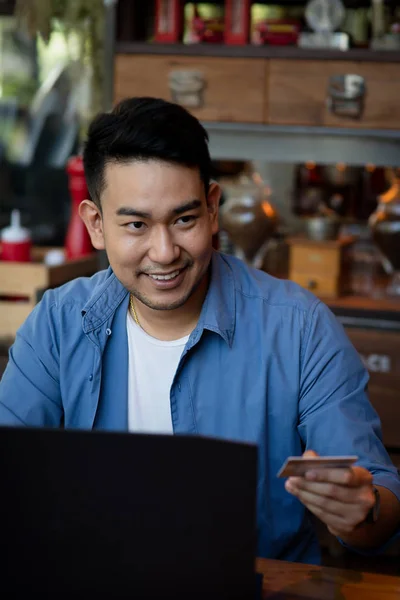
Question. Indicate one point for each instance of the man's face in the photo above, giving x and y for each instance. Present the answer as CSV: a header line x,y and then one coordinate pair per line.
x,y
157,227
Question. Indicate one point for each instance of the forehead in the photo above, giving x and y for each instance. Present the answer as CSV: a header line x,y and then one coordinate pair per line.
x,y
150,181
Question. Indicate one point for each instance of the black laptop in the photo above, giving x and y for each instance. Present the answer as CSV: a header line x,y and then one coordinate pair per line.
x,y
118,515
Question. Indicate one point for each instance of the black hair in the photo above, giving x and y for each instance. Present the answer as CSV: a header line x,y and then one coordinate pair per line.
x,y
144,129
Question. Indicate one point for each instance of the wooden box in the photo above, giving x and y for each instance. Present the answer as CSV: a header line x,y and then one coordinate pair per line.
x,y
212,88
22,285
321,267
298,93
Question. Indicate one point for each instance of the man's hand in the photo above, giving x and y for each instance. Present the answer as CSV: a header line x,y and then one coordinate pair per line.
x,y
341,498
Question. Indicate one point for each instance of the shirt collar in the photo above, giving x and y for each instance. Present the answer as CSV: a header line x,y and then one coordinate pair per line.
x,y
104,301
219,309
218,312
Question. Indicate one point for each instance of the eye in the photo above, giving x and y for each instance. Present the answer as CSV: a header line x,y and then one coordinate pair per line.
x,y
137,225
186,219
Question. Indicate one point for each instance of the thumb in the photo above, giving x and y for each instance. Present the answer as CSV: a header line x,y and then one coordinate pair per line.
x,y
310,454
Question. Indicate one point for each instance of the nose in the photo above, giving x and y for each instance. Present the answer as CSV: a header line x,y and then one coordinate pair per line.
x,y
163,250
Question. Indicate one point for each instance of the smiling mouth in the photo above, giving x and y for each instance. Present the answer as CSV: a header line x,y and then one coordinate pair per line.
x,y
166,277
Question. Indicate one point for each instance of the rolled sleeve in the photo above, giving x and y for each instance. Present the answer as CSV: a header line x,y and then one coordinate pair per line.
x,y
335,413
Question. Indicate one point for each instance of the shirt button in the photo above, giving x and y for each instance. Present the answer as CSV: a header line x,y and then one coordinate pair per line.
x,y
90,377
108,331
179,386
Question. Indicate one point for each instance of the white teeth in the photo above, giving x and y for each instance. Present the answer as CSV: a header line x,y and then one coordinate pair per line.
x,y
165,277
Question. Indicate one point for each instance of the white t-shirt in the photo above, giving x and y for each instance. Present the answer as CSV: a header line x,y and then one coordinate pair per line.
x,y
152,367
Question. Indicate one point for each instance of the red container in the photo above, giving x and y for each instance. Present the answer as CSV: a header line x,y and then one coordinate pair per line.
x,y
17,252
77,240
237,22
209,31
169,21
277,32
15,241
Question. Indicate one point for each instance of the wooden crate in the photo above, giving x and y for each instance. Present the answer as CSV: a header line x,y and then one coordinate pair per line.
x,y
322,267
28,281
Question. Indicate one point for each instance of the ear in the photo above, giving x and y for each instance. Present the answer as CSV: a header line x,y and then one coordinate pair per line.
x,y
91,215
213,198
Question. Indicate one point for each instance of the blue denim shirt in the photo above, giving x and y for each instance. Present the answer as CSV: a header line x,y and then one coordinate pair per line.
x,y
268,363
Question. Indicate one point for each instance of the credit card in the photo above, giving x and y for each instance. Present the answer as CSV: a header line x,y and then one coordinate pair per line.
x,y
295,466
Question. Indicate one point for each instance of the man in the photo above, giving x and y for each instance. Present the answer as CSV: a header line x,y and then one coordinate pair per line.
x,y
177,338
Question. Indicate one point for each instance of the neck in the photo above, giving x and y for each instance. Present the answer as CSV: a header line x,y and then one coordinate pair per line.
x,y
168,325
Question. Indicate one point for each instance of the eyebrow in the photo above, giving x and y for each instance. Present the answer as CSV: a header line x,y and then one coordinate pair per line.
x,y
188,206
126,211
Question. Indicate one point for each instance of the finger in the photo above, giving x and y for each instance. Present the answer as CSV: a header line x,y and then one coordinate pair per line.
x,y
328,507
352,477
338,476
310,454
337,525
330,490
361,477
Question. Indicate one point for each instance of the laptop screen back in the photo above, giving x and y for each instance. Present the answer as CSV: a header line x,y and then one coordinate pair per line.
x,y
120,515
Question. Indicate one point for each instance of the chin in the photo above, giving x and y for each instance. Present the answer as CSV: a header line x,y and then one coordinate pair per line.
x,y
157,304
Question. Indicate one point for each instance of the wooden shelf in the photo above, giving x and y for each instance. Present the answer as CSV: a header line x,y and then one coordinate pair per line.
x,y
367,312
250,51
364,303
270,103
370,312
293,144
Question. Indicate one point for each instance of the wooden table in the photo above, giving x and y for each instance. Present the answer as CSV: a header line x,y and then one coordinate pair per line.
x,y
293,581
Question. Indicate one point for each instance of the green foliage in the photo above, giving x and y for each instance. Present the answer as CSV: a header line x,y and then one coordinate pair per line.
x,y
82,18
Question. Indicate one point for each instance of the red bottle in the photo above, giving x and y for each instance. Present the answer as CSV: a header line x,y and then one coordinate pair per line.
x,y
169,21
77,241
15,241
237,22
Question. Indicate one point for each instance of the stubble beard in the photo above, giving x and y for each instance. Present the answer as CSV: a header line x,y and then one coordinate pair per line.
x,y
171,305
